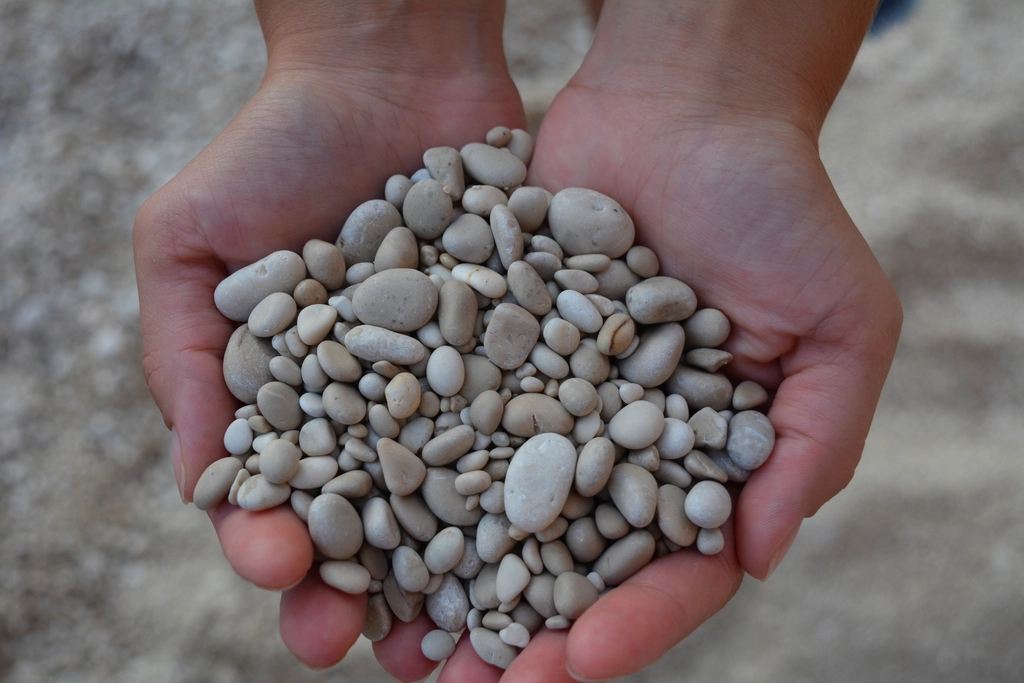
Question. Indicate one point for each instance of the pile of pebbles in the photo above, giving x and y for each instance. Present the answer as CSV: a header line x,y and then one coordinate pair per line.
x,y
484,402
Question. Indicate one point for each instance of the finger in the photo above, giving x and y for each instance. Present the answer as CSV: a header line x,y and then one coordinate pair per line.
x,y
400,652
465,665
319,624
272,548
542,661
821,413
637,622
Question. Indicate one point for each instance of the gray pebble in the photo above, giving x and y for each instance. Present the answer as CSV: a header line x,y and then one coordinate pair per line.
x,y
490,648
335,526
510,336
215,483
238,437
445,166
444,501
366,228
404,604
427,209
634,492
403,471
540,593
515,635
238,294
399,299
616,281
710,541
709,360
574,594
669,472
247,364
538,481
398,250
325,263
437,645
584,540
733,471
314,472
751,439
530,206
493,166
380,528
508,237
709,429
279,403
279,461
707,328
414,516
637,425
701,389
374,343
492,539
345,575
625,557
660,299
672,519
528,288
656,357
513,576
351,485
273,314
708,504
701,466
444,550
256,493
587,222
469,238
410,571
377,624
448,447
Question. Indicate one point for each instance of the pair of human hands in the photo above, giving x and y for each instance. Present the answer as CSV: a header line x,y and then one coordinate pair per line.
x,y
716,162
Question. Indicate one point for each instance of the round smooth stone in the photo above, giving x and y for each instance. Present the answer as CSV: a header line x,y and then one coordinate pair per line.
x,y
578,396
273,314
527,415
427,209
521,145
215,483
672,519
528,288
309,292
448,606
561,336
238,437
380,528
445,550
313,473
616,281
286,370
449,446
610,521
399,299
317,438
490,648
398,250
676,439
556,557
406,606
445,371
373,343
410,572
584,540
660,299
238,294
616,334
510,336
656,357
335,526
530,206
594,466
396,188
343,403
279,403
591,263
444,501
587,222
353,484
246,364
579,310
574,594
508,237
515,635
472,483
279,461
492,537
577,280
415,517
365,230
403,395
325,263
710,541
480,200
545,263
625,557
701,389
540,594
549,362
493,166
634,491
486,411
538,481
708,504
256,493
345,575
706,329
437,645
337,362
637,425
751,439
748,395
456,312
469,237
642,261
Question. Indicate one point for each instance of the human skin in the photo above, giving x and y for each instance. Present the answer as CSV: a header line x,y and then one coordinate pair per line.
x,y
701,119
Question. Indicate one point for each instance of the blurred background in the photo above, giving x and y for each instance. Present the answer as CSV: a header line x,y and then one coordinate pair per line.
x,y
914,573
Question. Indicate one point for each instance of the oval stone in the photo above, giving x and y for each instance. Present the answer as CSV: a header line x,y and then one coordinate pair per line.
x,y
247,364
660,299
215,483
634,491
510,336
449,606
366,228
656,358
532,414
574,594
625,557
708,504
637,425
334,526
469,238
374,343
493,165
751,439
701,389
279,403
238,294
427,209
399,299
538,481
449,505
588,222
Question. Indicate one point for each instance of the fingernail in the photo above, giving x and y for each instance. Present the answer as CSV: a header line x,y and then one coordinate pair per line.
x,y
176,462
576,677
780,554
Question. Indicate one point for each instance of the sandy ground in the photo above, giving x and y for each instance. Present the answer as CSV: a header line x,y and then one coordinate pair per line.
x,y
914,573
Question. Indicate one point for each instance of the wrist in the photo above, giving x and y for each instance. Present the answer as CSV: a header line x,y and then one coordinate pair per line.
x,y
409,39
729,60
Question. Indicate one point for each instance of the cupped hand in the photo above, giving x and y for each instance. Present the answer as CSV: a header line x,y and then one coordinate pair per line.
x,y
321,135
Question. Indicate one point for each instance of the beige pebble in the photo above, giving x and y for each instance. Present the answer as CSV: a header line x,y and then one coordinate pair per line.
x,y
238,437
578,396
279,403
709,429
427,209
335,526
493,166
374,343
336,360
395,189
215,483
468,239
556,558
630,392
240,478
378,620
272,315
286,370
578,310
710,541
574,594
521,145
493,541
610,521
499,136
256,493
414,516
539,477
444,501
676,440
588,222
642,261
707,328
317,438
445,166
482,279
486,411
354,484
701,466
445,371
528,288
410,572
365,229
544,263
345,575
380,528
625,557
358,273
530,206
444,550
708,504
343,404
549,362
315,322
616,334
634,492
508,237
587,363
748,395
296,347
584,540
238,294
405,605
314,472
481,375
594,466
527,415
456,312
561,336
449,446
590,263
672,519
513,577
577,280
751,439
701,389
279,461
656,357
325,263
709,360
616,281
637,425
470,483
480,200
400,300
490,648
510,336
398,250
437,645
660,299
493,499
495,620
313,376
403,471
